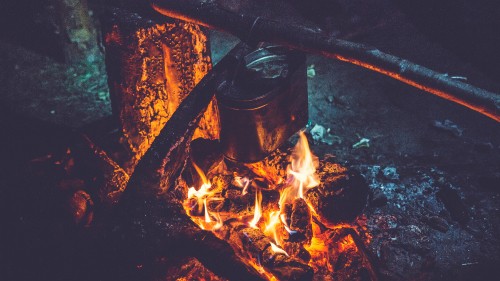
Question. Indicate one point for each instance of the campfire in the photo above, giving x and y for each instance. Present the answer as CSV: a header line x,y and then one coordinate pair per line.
x,y
208,171
286,216
274,223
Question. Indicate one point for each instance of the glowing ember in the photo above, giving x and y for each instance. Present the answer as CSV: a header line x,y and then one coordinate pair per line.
x,y
270,228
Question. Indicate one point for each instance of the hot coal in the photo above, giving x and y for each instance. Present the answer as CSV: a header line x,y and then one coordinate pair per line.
x,y
251,241
299,220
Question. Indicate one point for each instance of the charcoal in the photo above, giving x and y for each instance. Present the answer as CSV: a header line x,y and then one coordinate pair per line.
x,y
340,199
80,207
300,220
285,267
296,249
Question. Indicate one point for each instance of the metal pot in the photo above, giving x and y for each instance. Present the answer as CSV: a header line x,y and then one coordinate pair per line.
x,y
264,104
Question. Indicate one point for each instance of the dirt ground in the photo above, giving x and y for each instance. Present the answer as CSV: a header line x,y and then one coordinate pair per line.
x,y
433,166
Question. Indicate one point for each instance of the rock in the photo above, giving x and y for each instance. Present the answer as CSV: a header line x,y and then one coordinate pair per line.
x,y
364,142
311,72
436,222
379,199
390,173
454,204
449,126
318,132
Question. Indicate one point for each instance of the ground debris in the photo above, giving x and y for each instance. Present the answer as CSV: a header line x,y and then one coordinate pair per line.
x,y
390,173
449,126
364,142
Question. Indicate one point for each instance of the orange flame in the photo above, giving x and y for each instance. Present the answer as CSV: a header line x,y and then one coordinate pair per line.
x,y
270,229
203,195
278,250
257,209
301,172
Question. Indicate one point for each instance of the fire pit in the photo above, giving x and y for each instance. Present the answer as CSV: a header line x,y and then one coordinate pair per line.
x,y
297,227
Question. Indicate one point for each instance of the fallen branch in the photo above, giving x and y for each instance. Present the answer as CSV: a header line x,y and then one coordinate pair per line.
x,y
210,14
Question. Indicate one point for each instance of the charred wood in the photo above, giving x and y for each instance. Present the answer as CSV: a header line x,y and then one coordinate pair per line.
x,y
300,221
161,165
80,207
108,179
340,197
251,241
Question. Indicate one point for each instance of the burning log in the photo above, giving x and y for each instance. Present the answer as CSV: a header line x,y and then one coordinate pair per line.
x,y
151,68
255,28
251,241
299,220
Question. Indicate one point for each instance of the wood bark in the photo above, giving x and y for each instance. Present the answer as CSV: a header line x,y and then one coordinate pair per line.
x,y
254,28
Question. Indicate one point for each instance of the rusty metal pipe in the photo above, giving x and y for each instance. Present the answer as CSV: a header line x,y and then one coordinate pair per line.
x,y
248,27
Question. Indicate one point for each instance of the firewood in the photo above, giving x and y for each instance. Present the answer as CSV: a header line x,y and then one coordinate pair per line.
x,y
251,241
299,217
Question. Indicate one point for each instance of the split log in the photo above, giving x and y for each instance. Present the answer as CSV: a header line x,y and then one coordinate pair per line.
x,y
151,68
252,27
